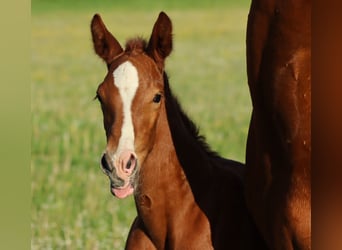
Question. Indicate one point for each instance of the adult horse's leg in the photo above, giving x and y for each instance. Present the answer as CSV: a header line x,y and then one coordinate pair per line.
x,y
137,237
278,155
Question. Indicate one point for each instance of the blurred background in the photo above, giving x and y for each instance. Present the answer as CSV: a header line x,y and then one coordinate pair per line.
x,y
71,206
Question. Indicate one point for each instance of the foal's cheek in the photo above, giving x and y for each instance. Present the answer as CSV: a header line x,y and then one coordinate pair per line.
x,y
145,130
107,124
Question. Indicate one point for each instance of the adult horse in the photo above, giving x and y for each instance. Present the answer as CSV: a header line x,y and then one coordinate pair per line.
x,y
278,155
187,197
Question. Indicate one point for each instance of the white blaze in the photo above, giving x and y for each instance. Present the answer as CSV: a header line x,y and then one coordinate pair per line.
x,y
126,80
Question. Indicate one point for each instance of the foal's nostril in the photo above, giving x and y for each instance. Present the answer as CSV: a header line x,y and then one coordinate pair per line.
x,y
130,162
104,164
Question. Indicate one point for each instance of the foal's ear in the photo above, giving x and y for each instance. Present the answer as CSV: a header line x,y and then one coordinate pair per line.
x,y
160,44
105,44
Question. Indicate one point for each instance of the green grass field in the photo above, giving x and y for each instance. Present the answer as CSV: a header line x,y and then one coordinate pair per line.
x,y
71,206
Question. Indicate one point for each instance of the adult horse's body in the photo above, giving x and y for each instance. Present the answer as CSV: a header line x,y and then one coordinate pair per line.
x,y
187,197
278,155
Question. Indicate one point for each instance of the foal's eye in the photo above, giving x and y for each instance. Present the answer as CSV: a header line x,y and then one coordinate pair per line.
x,y
157,98
98,97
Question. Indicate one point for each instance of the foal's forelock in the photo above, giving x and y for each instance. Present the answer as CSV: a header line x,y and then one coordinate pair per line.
x,y
127,81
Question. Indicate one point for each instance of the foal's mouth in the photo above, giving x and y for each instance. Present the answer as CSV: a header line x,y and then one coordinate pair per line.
x,y
121,189
120,186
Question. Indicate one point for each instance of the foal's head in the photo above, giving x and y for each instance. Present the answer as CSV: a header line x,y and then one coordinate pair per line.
x,y
131,96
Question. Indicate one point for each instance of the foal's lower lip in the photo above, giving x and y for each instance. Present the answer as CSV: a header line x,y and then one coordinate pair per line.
x,y
122,192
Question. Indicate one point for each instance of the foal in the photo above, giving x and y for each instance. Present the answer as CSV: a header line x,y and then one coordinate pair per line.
x,y
187,197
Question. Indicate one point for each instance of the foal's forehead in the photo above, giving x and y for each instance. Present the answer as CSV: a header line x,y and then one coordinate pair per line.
x,y
132,70
125,76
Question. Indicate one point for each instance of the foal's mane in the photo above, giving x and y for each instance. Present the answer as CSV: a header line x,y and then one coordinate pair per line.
x,y
191,127
139,45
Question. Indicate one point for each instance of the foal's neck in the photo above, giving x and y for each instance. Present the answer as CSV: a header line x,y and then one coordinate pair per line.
x,y
162,172
165,199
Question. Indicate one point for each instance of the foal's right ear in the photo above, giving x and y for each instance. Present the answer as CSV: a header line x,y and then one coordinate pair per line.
x,y
105,44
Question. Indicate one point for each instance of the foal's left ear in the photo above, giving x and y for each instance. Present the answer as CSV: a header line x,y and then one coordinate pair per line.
x,y
160,44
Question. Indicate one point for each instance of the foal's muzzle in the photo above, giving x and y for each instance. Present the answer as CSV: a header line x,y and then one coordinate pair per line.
x,y
124,164
121,171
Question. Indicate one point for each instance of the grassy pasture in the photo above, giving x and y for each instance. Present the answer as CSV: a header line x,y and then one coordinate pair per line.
x,y
71,205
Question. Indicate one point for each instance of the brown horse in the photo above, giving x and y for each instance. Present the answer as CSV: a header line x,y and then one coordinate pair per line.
x,y
278,156
187,197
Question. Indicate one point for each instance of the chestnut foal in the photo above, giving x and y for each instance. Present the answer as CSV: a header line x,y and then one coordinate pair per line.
x,y
187,197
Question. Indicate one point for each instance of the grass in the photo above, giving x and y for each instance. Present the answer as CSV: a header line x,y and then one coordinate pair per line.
x,y
39,6
71,204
